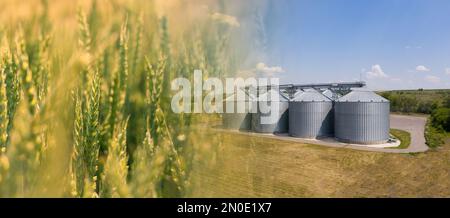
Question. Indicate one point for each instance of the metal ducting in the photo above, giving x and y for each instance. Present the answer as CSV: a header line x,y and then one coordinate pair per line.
x,y
280,123
310,115
362,117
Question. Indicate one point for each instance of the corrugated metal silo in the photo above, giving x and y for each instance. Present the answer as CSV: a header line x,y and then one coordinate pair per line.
x,y
310,115
362,117
280,124
237,120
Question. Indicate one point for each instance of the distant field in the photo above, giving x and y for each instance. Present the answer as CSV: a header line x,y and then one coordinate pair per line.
x,y
247,166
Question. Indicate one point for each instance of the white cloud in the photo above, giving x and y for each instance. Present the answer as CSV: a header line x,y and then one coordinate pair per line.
x,y
263,68
432,79
413,47
376,72
447,71
422,68
226,19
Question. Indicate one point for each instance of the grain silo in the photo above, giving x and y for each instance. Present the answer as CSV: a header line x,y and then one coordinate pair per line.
x,y
362,117
280,122
235,119
310,115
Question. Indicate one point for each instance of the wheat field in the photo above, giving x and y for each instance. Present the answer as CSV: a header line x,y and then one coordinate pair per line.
x,y
84,103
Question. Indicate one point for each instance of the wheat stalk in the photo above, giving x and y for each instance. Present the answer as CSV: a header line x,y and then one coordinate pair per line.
x,y
77,163
138,44
12,80
26,73
154,87
85,36
145,168
4,119
114,177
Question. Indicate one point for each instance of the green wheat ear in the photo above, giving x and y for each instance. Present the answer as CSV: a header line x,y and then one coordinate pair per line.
x,y
12,79
4,119
145,171
43,67
154,88
77,162
118,86
123,61
86,134
84,40
4,107
114,177
92,127
138,44
26,73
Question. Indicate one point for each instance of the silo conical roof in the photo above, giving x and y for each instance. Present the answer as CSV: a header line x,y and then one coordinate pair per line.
x,y
362,96
298,92
310,95
328,93
266,96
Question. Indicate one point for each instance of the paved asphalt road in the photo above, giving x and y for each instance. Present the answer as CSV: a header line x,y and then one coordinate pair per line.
x,y
414,125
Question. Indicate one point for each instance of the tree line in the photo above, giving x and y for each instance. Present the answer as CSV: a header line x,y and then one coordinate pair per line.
x,y
434,103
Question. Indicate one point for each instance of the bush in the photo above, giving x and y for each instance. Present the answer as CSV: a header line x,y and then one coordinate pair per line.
x,y
447,102
433,136
426,107
419,101
440,119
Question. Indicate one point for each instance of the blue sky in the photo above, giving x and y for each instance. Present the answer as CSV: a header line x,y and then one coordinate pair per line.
x,y
391,44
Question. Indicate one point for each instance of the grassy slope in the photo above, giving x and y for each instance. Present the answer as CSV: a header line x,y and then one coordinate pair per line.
x,y
254,167
403,136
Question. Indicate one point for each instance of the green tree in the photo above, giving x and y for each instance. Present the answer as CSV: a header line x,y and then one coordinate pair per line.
x,y
440,119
